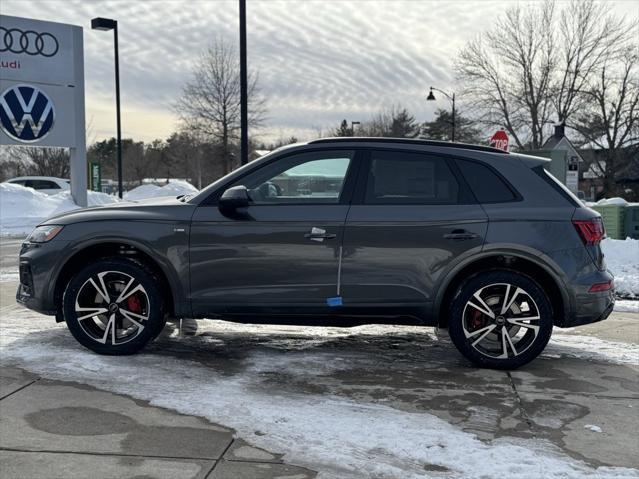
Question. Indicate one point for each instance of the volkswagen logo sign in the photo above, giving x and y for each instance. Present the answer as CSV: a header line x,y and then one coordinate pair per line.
x,y
26,113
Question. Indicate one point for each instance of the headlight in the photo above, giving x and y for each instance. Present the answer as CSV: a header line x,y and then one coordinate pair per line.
x,y
45,233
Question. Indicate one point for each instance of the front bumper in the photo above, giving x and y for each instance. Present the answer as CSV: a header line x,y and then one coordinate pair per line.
x,y
37,265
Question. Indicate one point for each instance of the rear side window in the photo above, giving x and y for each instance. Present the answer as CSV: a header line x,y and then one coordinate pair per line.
x,y
487,186
410,178
558,186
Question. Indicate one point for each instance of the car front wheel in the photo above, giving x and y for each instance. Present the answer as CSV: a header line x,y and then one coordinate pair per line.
x,y
500,319
114,306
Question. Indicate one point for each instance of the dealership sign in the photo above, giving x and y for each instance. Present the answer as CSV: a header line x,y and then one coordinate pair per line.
x,y
41,83
42,90
26,113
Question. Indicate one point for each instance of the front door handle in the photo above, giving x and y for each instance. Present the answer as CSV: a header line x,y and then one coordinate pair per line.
x,y
460,235
319,234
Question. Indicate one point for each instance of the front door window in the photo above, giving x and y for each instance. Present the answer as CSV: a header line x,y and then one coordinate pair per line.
x,y
308,178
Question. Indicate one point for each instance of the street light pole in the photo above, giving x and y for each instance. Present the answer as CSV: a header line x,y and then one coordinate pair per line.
x,y
243,87
451,97
105,24
453,119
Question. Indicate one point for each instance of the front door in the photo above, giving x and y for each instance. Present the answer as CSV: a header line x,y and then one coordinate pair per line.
x,y
283,249
411,219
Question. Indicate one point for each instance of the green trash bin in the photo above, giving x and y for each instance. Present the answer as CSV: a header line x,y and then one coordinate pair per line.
x,y
614,220
632,221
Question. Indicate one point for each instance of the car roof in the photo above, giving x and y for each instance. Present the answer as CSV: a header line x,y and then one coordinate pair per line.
x,y
409,141
54,178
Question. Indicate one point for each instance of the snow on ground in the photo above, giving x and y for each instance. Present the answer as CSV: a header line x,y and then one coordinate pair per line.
x,y
340,437
627,306
22,209
174,188
568,344
622,258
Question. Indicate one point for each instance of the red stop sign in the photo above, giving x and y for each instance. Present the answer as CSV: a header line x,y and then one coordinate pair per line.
x,y
499,140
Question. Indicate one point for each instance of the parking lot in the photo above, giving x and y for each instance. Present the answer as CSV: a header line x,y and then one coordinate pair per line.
x,y
275,401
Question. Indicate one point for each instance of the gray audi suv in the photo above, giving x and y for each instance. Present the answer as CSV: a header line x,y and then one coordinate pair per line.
x,y
340,232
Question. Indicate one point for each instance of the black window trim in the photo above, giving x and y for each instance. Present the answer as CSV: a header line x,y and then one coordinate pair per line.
x,y
516,195
344,198
466,196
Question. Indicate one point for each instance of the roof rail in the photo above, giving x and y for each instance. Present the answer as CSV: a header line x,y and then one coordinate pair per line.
x,y
410,141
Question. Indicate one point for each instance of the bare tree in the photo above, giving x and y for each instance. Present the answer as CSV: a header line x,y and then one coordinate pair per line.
x,y
506,72
534,64
588,38
395,121
210,100
41,161
611,120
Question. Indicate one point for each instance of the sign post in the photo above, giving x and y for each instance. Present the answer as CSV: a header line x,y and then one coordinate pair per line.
x,y
42,91
500,140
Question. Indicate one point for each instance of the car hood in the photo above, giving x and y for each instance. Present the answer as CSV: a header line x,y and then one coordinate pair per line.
x,y
153,209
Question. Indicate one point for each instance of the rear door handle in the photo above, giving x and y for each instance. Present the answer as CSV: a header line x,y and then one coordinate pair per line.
x,y
460,235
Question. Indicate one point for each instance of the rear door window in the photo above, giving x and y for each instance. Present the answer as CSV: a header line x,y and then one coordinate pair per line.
x,y
487,186
397,177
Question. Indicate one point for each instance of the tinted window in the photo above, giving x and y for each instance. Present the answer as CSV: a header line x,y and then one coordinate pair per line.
x,y
42,185
314,177
410,178
487,186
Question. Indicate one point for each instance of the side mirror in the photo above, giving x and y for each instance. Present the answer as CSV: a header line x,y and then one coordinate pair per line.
x,y
234,198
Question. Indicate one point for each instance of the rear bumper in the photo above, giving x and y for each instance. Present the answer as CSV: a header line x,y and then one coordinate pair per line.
x,y
592,310
591,307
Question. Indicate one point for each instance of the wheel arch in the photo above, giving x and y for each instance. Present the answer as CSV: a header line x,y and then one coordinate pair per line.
x,y
517,261
113,247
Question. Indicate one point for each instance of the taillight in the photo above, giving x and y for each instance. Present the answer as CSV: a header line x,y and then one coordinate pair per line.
x,y
599,287
591,231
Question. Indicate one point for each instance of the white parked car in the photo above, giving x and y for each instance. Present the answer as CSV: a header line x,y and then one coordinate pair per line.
x,y
49,185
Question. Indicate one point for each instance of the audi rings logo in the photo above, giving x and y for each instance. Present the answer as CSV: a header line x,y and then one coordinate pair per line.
x,y
32,43
26,113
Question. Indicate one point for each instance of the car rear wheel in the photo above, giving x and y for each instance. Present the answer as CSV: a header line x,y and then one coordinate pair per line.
x,y
114,306
500,319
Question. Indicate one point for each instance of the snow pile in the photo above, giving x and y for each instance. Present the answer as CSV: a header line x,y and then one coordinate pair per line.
x,y
612,201
627,306
174,188
340,437
622,258
22,209
141,192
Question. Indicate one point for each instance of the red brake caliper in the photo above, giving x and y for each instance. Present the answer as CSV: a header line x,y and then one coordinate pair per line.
x,y
476,321
134,304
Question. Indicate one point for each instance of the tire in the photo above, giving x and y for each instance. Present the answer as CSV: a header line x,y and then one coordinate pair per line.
x,y
500,319
137,317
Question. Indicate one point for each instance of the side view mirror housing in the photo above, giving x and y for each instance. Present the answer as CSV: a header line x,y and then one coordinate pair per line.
x,y
234,198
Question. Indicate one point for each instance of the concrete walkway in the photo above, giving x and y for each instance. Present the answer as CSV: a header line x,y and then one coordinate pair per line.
x,y
53,429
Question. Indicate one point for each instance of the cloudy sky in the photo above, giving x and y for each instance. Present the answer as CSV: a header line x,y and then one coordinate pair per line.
x,y
319,61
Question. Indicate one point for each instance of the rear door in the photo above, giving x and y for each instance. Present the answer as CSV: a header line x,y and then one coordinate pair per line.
x,y
411,219
283,250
